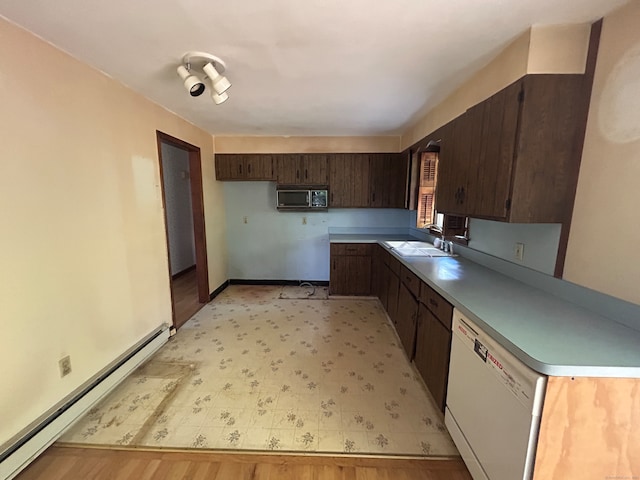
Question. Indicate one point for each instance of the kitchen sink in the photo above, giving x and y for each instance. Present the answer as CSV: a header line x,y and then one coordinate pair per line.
x,y
415,249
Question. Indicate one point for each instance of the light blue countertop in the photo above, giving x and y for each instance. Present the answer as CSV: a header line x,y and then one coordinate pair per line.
x,y
547,333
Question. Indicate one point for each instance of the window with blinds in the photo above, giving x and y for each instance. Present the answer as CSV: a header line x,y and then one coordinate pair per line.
x,y
427,189
448,226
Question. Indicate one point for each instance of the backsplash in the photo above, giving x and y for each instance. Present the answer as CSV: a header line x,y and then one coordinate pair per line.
x,y
275,245
498,239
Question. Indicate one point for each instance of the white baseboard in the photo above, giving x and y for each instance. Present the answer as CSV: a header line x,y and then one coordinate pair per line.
x,y
41,436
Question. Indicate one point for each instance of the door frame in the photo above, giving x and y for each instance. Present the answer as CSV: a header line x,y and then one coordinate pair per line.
x,y
197,208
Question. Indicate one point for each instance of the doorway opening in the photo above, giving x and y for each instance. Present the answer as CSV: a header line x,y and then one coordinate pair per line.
x,y
181,180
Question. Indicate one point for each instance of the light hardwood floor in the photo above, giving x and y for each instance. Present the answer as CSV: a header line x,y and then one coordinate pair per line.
x,y
66,463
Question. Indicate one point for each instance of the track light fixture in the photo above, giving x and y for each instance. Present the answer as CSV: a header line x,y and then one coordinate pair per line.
x,y
192,83
212,67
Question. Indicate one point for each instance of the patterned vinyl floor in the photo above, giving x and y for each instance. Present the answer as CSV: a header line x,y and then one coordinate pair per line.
x,y
253,371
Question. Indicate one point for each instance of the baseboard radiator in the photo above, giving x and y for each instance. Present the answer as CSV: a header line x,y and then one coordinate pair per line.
x,y
30,443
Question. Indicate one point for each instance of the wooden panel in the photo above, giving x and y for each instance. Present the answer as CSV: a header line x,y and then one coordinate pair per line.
x,y
544,166
63,463
340,191
590,429
442,309
496,159
433,347
351,248
229,167
350,272
394,265
411,280
258,167
287,169
360,181
448,170
406,320
314,169
393,288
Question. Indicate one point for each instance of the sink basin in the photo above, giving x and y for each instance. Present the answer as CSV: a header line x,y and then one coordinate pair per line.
x,y
407,244
415,249
421,252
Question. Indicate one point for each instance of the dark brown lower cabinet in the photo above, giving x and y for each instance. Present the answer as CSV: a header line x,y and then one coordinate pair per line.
x,y
433,346
407,314
350,272
392,291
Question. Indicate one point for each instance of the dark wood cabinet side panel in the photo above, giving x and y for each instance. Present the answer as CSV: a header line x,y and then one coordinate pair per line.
x,y
393,288
407,313
437,359
549,122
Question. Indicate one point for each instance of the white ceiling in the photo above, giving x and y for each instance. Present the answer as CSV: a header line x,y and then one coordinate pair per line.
x,y
298,67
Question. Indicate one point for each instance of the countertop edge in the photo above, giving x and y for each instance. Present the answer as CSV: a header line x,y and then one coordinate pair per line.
x,y
559,370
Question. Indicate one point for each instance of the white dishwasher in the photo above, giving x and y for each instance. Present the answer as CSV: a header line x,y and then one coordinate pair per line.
x,y
494,403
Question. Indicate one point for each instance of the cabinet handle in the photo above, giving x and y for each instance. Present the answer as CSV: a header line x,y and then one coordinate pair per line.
x,y
352,249
433,303
461,195
373,197
306,174
334,264
297,174
249,168
240,169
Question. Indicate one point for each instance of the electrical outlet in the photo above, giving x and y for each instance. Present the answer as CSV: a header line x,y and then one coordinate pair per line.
x,y
245,219
519,252
304,220
65,366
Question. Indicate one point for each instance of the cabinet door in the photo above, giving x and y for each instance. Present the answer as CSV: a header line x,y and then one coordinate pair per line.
x,y
229,167
433,347
349,180
339,275
388,180
258,167
393,290
407,318
498,148
377,273
448,183
350,273
288,169
314,169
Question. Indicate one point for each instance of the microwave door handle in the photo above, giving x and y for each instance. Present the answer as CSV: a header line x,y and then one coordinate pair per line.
x,y
308,198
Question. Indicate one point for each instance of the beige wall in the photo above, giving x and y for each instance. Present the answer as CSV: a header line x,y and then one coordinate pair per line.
x,y
549,49
266,144
608,193
82,251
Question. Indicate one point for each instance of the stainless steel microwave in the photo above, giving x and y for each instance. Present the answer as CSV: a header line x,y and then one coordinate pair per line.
x,y
297,197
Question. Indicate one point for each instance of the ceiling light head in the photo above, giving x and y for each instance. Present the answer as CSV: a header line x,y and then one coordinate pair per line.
x,y
219,82
192,83
219,98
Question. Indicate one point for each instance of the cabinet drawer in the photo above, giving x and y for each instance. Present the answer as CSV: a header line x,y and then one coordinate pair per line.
x,y
442,309
351,249
411,280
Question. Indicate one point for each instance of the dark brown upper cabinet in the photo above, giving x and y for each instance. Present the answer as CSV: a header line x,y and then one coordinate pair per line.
x,y
513,156
302,169
244,167
388,180
349,180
